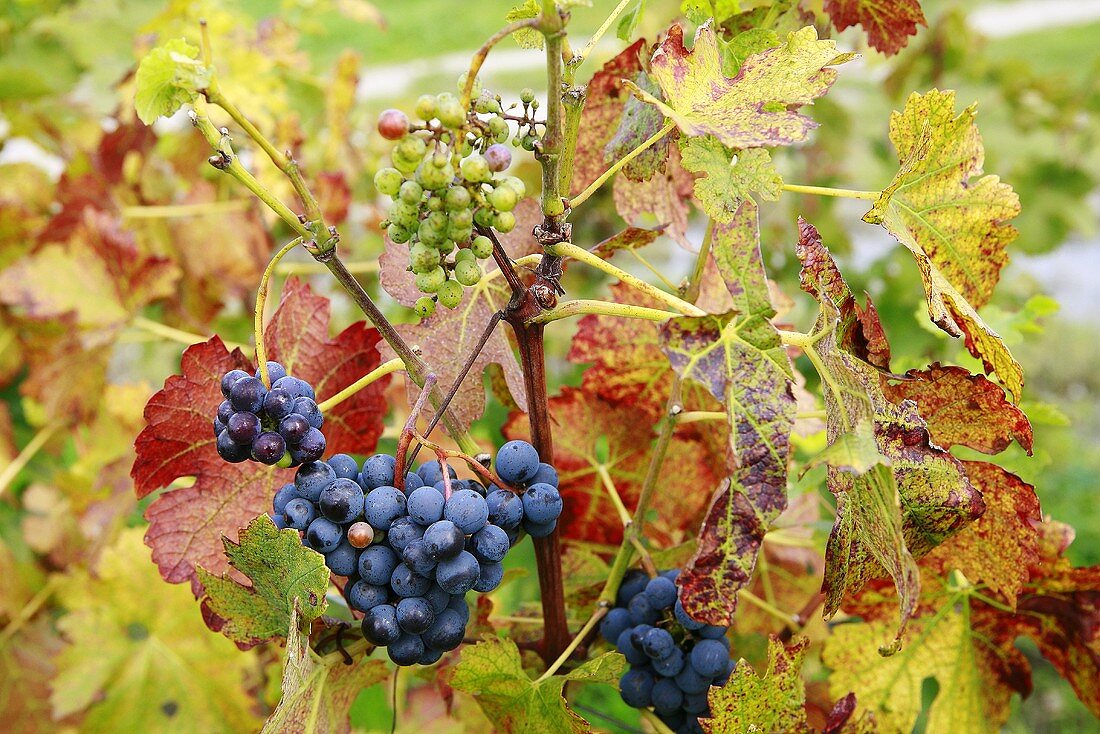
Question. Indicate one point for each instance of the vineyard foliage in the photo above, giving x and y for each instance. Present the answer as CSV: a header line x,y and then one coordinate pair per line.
x,y
849,417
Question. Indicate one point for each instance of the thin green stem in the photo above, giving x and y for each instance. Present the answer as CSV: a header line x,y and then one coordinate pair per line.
x,y
600,613
649,266
581,307
258,313
176,335
655,721
482,53
579,59
827,191
613,493
11,471
595,185
386,368
552,145
565,249
701,259
524,262
178,211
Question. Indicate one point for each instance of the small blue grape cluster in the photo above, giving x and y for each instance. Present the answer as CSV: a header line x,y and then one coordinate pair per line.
x,y
674,659
411,555
280,426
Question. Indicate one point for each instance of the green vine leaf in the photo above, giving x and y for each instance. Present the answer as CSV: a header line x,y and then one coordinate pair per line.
x,y
317,692
492,672
700,11
757,107
953,222
775,701
739,358
283,573
169,77
728,176
526,37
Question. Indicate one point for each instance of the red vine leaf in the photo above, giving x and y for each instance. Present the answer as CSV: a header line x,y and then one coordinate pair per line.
x,y
963,409
590,432
887,23
187,524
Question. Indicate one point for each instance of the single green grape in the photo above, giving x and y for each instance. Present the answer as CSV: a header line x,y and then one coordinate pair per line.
x,y
411,147
398,234
434,177
423,258
475,90
429,234
498,127
515,184
528,142
504,222
482,246
486,105
403,163
431,281
411,192
460,234
284,461
483,217
467,147
445,246
458,198
464,253
450,111
438,220
434,203
425,107
424,307
404,214
467,272
476,169
503,198
527,95
388,181
463,218
450,294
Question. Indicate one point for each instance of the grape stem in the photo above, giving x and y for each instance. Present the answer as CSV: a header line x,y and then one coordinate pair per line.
x,y
576,62
482,53
386,368
261,302
408,431
583,307
476,466
600,613
11,471
827,191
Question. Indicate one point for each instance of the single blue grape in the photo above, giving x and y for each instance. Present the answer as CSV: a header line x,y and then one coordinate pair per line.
x,y
634,582
489,544
459,574
342,501
275,372
344,560
667,696
380,625
695,704
268,448
641,610
218,427
505,509
426,506
244,428
661,593
416,556
539,530
713,632
691,682
617,620
489,577
541,504
438,598
405,582
377,472
344,466
364,597
310,448
229,379
376,565
517,462
308,409
431,656
671,665
230,450
415,614
546,474
293,428
407,650
280,521
403,531
300,513
658,643
636,688
323,535
443,539
685,621
278,404
709,658
458,604
383,506
413,482
285,494
468,510
446,632
225,411
311,478
248,394
625,645
431,473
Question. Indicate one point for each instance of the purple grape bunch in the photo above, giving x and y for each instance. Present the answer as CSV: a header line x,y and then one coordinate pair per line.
x,y
279,426
674,660
410,556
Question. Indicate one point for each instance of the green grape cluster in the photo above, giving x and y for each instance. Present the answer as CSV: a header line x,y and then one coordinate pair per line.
x,y
446,181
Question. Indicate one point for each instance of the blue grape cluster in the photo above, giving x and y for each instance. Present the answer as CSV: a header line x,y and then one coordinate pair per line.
x,y
279,426
411,556
674,660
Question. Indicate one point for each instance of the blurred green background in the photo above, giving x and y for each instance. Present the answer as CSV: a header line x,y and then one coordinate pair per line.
x,y
1031,67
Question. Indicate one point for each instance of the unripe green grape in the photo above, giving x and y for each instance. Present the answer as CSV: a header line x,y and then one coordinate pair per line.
x,y
515,184
402,162
425,107
284,461
450,294
445,246
462,218
434,203
411,192
430,281
486,105
503,199
475,90
527,95
476,169
482,246
528,142
458,198
460,234
498,126
451,113
504,222
467,148
398,234
423,258
430,235
464,253
438,220
424,307
483,217
388,181
467,272
404,214
434,177
411,147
